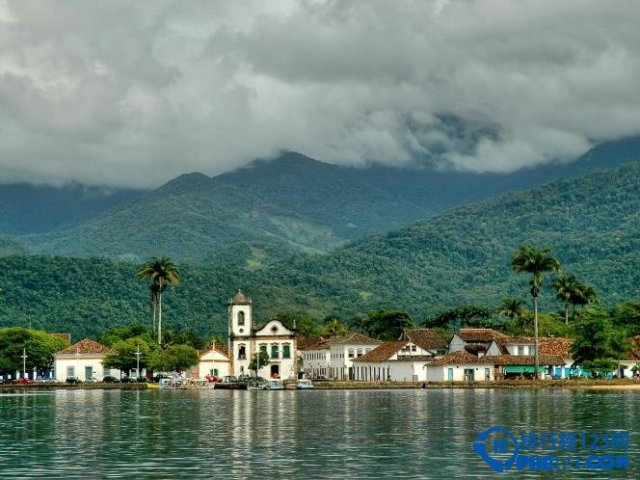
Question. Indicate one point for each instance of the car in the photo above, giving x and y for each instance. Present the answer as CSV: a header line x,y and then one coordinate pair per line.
x,y
161,376
243,378
73,380
128,380
230,379
110,379
142,379
212,378
22,381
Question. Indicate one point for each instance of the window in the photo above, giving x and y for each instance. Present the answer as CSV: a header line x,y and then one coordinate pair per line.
x,y
286,351
241,319
359,352
351,353
71,371
242,352
263,348
413,348
519,350
274,351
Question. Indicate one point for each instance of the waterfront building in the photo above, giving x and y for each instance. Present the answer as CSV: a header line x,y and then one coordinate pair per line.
x,y
315,353
215,362
344,350
83,361
402,360
246,340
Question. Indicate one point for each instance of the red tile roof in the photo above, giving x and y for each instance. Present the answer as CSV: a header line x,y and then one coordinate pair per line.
x,y
456,358
383,352
476,335
425,338
355,338
86,346
558,346
521,360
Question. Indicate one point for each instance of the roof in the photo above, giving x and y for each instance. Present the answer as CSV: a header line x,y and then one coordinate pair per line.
x,y
518,341
459,357
521,360
476,335
314,343
383,352
240,299
355,338
425,338
86,346
558,346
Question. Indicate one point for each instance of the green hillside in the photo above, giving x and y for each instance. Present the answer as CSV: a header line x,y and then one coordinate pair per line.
x,y
293,203
458,257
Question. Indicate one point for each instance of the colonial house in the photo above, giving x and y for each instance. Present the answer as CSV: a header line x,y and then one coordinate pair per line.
x,y
247,339
83,360
402,360
630,359
344,350
316,356
477,340
488,355
214,362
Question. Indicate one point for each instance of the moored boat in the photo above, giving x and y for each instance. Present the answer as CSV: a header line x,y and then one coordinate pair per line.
x,y
304,384
274,384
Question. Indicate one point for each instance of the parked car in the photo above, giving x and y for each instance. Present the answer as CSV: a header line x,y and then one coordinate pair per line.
x,y
22,381
142,379
230,379
110,379
73,380
128,380
161,376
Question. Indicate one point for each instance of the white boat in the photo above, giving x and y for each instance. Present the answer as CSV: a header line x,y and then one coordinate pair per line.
x,y
304,384
274,384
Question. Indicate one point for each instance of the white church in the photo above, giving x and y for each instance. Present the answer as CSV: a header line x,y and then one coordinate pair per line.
x,y
247,339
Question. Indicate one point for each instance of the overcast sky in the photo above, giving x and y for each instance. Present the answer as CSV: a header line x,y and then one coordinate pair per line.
x,y
135,93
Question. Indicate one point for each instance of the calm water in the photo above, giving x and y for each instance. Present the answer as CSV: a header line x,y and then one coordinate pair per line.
x,y
288,434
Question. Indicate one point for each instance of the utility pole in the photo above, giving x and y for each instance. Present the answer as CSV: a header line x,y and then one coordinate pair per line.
x,y
24,362
138,361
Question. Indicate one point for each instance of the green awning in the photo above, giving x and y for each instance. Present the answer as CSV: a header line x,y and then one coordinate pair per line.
x,y
522,369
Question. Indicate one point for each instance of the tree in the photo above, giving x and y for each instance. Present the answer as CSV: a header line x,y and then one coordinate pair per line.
x,y
259,360
161,271
125,356
465,316
566,287
384,324
39,347
334,327
598,344
173,358
536,262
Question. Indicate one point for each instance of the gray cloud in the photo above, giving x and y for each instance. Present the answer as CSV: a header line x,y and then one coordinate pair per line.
x,y
135,93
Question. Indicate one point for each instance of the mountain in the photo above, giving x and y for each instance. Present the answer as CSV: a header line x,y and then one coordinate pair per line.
x,y
27,209
457,257
292,203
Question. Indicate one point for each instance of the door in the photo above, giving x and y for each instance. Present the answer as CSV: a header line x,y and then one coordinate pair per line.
x,y
88,373
450,374
275,371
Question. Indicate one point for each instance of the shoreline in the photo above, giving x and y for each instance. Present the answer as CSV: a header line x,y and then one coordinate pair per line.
x,y
616,385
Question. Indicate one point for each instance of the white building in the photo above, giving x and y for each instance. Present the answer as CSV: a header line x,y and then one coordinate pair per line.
x,y
403,360
214,362
344,350
83,360
247,339
316,357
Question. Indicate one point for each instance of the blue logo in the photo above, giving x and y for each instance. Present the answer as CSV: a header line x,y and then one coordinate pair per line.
x,y
503,450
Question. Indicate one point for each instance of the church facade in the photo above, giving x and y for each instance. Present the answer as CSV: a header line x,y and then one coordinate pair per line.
x,y
246,339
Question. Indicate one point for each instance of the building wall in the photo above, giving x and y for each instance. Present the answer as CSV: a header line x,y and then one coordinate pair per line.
x,y
341,359
212,362
441,373
75,366
456,344
316,362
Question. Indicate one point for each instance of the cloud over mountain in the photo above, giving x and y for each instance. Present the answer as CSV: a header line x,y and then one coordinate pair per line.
x,y
135,93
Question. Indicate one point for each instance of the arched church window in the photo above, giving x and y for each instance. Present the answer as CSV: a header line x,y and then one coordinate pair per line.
x,y
241,318
242,352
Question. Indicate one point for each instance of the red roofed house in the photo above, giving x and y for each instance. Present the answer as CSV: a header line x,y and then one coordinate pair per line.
x,y
401,360
83,360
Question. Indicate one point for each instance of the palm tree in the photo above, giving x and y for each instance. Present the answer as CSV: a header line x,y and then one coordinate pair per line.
x,y
514,309
536,262
161,271
566,291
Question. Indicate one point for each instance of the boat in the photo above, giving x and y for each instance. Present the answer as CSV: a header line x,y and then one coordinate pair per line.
x,y
304,384
274,384
254,383
185,384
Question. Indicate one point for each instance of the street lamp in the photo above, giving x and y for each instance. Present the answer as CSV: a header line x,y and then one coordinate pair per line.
x,y
138,361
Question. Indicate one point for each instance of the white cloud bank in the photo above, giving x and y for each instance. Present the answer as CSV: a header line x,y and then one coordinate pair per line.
x,y
135,93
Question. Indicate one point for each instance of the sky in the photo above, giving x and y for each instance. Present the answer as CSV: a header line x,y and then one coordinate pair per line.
x,y
134,93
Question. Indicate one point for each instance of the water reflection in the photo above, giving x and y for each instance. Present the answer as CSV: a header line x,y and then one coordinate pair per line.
x,y
287,434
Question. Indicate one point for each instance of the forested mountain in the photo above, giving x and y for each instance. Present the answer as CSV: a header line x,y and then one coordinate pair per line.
x,y
293,203
26,208
457,257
